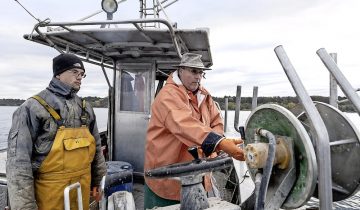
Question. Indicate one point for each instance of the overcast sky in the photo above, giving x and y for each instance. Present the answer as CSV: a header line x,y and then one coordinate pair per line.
x,y
243,35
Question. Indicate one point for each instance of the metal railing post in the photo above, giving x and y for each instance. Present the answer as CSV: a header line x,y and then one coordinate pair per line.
x,y
237,108
333,99
317,128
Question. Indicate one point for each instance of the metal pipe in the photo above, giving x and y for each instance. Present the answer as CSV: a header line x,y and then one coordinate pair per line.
x,y
87,35
103,200
169,4
346,100
177,42
105,75
344,84
149,39
83,49
333,86
109,22
67,196
51,43
112,113
162,9
3,181
237,108
317,128
343,101
226,113
254,98
142,5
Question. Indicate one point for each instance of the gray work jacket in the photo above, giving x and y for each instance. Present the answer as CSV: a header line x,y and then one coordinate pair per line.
x,y
31,137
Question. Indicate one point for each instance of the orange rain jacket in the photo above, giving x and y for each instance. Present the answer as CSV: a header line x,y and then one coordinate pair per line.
x,y
176,124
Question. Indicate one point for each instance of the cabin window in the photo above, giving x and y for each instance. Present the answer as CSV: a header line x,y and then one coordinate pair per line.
x,y
134,93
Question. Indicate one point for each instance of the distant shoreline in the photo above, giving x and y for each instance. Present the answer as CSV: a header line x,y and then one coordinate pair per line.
x,y
96,102
289,102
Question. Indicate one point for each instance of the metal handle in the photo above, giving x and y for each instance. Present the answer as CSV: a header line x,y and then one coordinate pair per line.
x,y
318,130
194,152
67,196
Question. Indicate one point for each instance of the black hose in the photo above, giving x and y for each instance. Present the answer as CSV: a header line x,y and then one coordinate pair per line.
x,y
257,189
260,200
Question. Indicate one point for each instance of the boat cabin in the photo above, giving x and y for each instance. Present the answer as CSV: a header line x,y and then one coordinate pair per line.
x,y
141,58
141,53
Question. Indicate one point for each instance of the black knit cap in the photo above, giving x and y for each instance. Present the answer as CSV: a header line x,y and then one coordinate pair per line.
x,y
65,62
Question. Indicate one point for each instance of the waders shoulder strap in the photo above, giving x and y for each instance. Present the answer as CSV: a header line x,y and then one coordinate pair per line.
x,y
83,113
51,110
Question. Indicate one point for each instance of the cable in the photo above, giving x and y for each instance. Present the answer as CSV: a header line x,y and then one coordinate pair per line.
x,y
244,177
28,11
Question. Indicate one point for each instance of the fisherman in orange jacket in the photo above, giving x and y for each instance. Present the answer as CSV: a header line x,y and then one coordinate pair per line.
x,y
183,114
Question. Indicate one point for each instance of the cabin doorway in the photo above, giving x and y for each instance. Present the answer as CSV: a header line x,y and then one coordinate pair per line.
x,y
133,96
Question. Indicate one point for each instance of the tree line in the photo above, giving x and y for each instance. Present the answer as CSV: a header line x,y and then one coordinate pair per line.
x,y
94,101
288,102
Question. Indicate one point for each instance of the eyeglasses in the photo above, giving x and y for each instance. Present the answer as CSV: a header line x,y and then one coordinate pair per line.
x,y
77,73
196,71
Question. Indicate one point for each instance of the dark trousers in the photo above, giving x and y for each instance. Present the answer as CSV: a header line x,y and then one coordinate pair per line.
x,y
151,199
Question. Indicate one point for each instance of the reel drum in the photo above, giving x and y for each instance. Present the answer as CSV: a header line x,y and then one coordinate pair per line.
x,y
344,148
281,122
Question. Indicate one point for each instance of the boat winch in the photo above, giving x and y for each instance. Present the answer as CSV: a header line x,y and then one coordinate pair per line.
x,y
344,149
293,179
293,169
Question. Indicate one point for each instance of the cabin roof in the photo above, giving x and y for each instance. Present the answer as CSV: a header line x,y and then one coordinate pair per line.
x,y
127,45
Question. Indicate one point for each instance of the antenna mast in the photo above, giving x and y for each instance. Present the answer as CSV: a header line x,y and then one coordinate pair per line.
x,y
151,9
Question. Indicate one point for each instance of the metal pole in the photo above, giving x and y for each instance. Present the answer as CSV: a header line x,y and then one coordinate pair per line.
x,y
344,84
226,113
237,108
254,98
112,113
76,186
333,100
318,130
106,77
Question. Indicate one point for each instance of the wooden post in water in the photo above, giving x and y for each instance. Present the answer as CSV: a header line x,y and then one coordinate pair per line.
x,y
254,98
344,84
226,113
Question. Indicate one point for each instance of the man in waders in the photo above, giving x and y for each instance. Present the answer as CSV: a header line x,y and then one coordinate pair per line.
x,y
183,114
54,142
